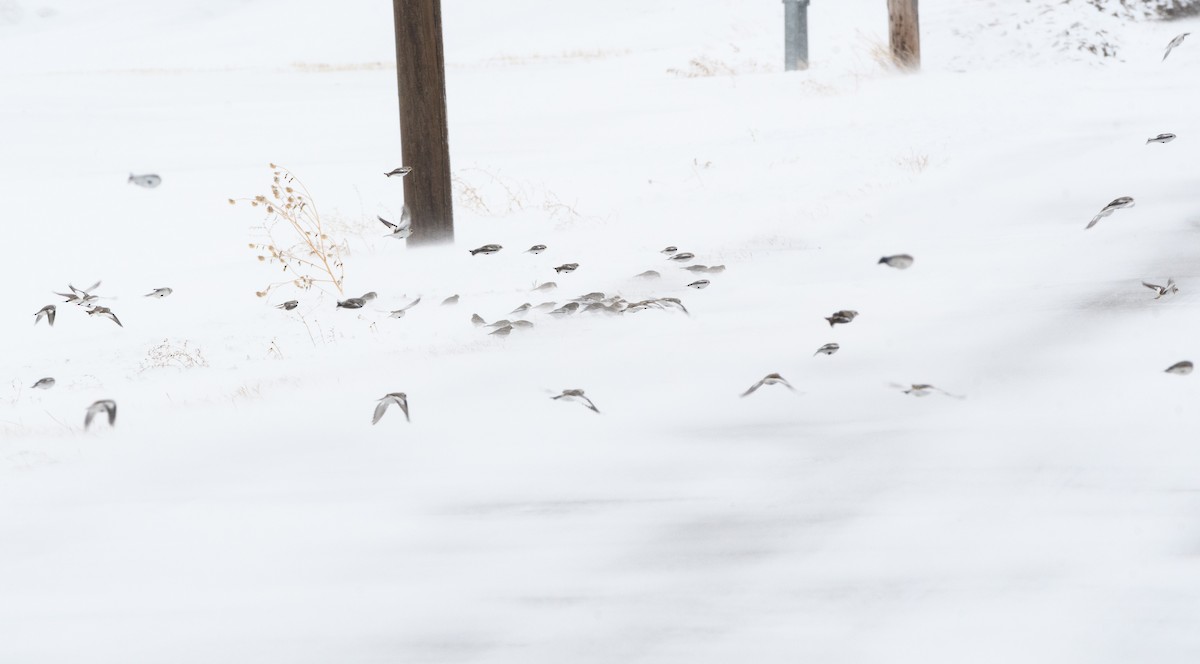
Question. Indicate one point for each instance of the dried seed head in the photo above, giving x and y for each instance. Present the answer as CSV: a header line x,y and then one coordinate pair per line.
x,y
261,258
232,202
260,293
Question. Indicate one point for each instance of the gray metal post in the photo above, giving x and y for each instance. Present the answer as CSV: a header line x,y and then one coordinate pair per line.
x,y
795,34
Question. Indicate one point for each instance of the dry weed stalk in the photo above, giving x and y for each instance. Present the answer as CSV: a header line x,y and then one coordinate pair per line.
x,y
306,252
168,354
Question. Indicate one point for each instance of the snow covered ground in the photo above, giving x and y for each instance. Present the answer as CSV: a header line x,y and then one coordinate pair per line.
x,y
245,509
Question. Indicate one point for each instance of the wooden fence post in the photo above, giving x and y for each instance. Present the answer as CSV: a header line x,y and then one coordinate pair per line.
x,y
425,146
904,33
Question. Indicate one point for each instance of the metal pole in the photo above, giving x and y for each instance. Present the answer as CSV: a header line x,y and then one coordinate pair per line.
x,y
795,35
424,141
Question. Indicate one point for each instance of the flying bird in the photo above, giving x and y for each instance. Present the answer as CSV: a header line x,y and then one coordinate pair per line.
x,y
682,257
289,305
899,261
398,398
107,406
80,296
844,316
827,349
1117,204
769,379
356,302
567,268
43,384
1161,138
486,250
1169,289
402,230
104,312
699,284
148,181
46,312
1180,368
1174,44
399,313
160,292
578,397
924,390
401,171
536,249
669,250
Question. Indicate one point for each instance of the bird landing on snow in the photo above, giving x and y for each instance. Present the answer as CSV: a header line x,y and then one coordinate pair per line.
x,y
578,397
148,181
899,261
398,398
1169,289
1161,138
402,230
1116,204
769,379
106,406
399,171
399,313
1174,44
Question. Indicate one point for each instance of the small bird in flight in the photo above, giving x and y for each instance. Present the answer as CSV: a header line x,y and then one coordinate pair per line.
x,y
148,181
844,316
578,397
401,171
356,302
486,250
1169,289
682,257
567,268
1117,204
899,261
80,296
1180,368
769,379
699,284
160,292
402,230
398,398
46,312
107,406
399,313
43,384
827,349
923,390
1174,44
289,305
1161,138
104,312
536,249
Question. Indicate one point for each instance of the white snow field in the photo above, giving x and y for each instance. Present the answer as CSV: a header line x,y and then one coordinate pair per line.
x,y
244,509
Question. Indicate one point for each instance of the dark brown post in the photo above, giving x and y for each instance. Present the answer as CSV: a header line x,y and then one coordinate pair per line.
x,y
904,33
425,146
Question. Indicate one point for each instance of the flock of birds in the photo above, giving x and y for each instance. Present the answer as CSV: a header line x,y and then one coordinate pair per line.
x,y
596,302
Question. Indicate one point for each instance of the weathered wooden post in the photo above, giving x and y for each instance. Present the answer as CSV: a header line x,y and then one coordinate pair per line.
x,y
425,145
904,33
795,35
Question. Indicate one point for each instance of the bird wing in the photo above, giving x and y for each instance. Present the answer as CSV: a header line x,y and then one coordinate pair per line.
x,y
385,222
412,304
87,419
1096,219
754,387
115,319
403,403
111,407
405,218
381,408
589,403
1152,287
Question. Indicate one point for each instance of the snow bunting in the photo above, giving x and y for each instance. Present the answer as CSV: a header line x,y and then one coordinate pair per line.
x,y
398,398
827,349
289,305
844,316
682,257
400,170
648,274
521,309
104,312
899,261
1117,204
46,312
1180,368
536,249
148,181
486,250
699,284
402,230
160,292
1174,44
769,379
43,384
567,268
1169,289
501,331
578,397
1161,138
107,406
399,313
568,308
478,320
453,299
548,286
924,390
669,250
